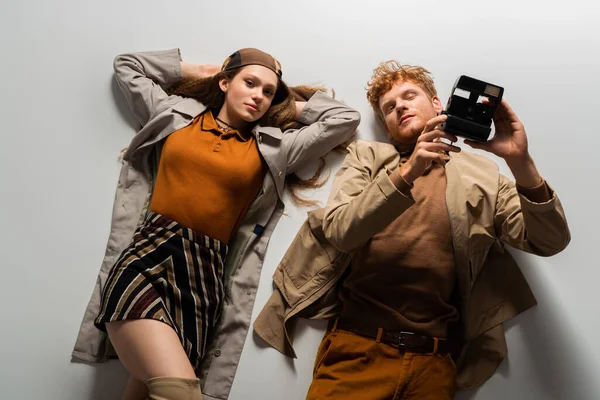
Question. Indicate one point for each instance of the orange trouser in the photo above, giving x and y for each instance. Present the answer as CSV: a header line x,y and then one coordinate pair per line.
x,y
349,366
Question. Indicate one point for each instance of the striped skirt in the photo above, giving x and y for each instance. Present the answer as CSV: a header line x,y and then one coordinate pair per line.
x,y
171,274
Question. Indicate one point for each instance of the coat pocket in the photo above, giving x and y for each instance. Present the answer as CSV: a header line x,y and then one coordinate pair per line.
x,y
305,259
476,262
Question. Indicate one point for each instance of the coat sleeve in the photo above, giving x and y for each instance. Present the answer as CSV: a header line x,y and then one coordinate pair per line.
x,y
142,76
362,201
537,228
329,123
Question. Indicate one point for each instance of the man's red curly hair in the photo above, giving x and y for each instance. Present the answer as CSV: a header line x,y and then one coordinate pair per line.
x,y
390,72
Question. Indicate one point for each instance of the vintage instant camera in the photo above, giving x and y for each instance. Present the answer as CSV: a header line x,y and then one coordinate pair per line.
x,y
468,115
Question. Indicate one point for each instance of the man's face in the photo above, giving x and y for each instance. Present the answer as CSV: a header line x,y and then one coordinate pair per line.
x,y
406,108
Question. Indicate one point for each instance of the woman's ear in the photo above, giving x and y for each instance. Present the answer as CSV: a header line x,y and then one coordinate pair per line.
x,y
224,84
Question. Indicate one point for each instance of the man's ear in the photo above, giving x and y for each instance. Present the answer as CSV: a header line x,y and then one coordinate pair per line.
x,y
437,105
224,84
385,128
389,135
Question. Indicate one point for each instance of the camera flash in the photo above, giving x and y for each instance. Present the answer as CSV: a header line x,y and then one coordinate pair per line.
x,y
492,90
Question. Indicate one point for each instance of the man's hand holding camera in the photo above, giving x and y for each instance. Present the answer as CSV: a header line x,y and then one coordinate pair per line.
x,y
429,149
510,143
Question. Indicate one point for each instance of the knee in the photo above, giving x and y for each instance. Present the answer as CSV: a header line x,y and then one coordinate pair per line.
x,y
173,388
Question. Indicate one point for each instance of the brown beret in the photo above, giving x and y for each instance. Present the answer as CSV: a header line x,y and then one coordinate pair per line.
x,y
250,56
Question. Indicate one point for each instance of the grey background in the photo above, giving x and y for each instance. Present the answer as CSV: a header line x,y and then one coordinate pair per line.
x,y
64,122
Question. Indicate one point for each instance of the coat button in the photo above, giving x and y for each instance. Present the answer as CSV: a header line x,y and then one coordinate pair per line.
x,y
217,353
259,138
280,174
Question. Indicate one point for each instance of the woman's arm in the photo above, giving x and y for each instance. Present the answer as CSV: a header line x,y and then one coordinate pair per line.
x,y
143,76
299,107
196,71
329,123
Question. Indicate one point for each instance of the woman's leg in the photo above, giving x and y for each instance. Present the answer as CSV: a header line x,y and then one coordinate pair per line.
x,y
135,390
151,350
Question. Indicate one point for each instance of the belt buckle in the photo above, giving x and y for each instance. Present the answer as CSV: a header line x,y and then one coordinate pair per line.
x,y
402,340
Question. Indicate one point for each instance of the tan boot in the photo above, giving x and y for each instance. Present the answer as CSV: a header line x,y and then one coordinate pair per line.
x,y
172,388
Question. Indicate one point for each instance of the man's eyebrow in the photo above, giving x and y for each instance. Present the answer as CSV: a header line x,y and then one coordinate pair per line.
x,y
387,102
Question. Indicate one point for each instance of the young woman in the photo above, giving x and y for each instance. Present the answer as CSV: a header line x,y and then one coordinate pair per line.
x,y
198,197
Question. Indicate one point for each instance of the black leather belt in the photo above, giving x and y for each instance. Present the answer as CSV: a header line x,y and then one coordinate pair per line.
x,y
408,341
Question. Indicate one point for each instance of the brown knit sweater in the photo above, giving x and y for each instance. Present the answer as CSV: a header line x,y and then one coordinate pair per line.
x,y
403,278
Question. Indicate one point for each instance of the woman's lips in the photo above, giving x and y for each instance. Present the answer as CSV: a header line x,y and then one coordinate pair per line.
x,y
252,108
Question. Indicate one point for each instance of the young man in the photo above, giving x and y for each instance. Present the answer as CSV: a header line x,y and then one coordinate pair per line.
x,y
424,221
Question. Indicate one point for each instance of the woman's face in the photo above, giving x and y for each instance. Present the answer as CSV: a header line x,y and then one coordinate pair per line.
x,y
250,93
